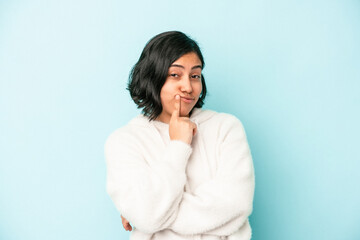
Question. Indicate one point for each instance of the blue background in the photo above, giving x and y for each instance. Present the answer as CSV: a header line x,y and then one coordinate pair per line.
x,y
289,70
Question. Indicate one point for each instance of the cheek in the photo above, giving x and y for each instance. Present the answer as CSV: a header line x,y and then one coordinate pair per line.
x,y
198,89
166,96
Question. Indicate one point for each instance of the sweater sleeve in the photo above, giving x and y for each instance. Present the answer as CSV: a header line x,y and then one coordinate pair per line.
x,y
222,205
147,195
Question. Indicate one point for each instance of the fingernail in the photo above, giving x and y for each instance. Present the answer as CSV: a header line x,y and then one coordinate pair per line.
x,y
177,96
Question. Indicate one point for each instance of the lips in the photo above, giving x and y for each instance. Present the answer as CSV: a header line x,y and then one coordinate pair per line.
x,y
187,99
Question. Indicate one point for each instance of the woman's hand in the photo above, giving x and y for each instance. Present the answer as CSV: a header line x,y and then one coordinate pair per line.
x,y
126,224
181,128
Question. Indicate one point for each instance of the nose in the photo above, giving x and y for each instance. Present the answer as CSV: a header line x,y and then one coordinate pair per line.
x,y
186,85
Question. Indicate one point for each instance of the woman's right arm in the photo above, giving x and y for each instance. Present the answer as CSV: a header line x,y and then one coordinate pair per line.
x,y
148,196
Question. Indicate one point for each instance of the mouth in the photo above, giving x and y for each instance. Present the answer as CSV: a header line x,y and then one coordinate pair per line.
x,y
187,99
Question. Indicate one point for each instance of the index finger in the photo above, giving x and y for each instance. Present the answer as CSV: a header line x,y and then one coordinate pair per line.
x,y
176,112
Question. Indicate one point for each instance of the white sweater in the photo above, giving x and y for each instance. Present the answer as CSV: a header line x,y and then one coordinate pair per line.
x,y
170,190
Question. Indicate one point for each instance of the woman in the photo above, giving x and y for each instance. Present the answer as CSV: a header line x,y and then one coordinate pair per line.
x,y
178,171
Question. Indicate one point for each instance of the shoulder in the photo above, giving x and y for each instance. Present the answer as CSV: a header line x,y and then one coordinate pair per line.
x,y
225,126
228,118
128,134
225,120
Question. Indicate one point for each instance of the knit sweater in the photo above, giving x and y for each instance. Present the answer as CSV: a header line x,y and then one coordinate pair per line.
x,y
168,189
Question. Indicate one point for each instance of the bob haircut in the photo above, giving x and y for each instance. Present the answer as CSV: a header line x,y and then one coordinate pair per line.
x,y
149,74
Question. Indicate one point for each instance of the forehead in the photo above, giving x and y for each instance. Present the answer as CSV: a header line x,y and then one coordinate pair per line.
x,y
188,60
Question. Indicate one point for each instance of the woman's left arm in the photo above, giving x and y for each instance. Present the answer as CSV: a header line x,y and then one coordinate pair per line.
x,y
221,206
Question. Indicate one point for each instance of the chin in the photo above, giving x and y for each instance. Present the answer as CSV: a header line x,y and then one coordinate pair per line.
x,y
184,113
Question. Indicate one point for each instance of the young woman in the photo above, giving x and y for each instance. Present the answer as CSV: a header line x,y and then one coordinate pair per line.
x,y
177,171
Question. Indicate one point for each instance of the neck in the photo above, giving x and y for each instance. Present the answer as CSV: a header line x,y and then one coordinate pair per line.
x,y
163,119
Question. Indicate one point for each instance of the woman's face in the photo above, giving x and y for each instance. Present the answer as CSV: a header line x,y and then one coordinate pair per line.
x,y
184,79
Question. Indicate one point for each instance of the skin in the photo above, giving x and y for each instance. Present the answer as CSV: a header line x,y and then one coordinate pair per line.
x,y
179,95
184,79
126,224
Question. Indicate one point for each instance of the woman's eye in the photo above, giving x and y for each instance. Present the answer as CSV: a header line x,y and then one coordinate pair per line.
x,y
174,75
196,76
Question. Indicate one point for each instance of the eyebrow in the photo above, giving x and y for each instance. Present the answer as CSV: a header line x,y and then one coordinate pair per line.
x,y
180,66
